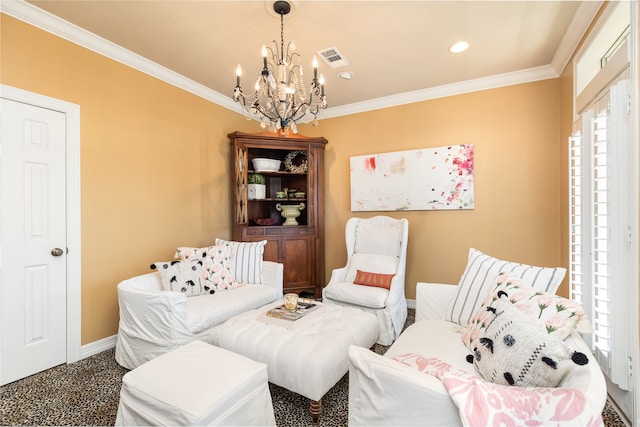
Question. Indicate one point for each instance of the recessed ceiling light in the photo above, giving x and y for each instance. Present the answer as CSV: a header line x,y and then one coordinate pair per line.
x,y
459,47
346,75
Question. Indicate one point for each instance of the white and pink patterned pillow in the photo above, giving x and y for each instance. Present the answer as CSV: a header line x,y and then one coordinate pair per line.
x,y
512,350
482,403
216,265
556,315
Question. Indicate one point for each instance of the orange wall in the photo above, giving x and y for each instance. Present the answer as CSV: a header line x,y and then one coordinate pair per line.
x,y
516,135
154,168
154,162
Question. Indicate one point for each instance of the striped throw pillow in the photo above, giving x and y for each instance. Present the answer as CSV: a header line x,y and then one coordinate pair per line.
x,y
479,278
246,260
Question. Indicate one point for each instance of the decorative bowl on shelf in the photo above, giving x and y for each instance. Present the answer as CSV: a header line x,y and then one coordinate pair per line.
x,y
290,212
266,165
265,221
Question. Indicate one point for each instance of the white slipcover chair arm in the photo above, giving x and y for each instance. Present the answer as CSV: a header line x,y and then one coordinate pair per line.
x,y
272,275
151,321
397,303
383,392
432,299
337,275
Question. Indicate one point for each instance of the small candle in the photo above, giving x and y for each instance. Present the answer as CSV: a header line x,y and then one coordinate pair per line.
x,y
315,67
238,74
291,301
264,56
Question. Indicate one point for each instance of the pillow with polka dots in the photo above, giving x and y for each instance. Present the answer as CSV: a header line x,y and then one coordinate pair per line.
x,y
185,277
512,350
216,265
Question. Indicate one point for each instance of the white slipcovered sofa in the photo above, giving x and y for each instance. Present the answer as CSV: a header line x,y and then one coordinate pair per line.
x,y
154,322
384,391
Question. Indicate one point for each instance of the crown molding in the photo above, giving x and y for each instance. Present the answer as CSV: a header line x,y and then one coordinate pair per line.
x,y
46,21
458,88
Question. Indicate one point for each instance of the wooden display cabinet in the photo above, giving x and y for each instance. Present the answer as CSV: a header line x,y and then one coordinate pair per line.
x,y
299,247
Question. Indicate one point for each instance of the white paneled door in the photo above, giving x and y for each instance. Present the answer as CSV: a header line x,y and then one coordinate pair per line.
x,y
33,275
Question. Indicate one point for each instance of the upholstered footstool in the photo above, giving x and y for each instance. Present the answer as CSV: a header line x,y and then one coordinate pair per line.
x,y
307,356
198,384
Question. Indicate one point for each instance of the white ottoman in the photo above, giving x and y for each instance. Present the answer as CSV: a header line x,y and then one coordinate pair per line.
x,y
198,384
307,356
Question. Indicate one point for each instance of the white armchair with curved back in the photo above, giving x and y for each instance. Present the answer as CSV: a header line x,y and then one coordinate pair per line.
x,y
374,276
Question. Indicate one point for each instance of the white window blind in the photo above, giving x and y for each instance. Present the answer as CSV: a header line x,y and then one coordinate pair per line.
x,y
598,255
579,202
601,233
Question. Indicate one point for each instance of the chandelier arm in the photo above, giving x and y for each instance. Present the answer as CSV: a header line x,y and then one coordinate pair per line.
x,y
274,52
291,53
273,113
265,113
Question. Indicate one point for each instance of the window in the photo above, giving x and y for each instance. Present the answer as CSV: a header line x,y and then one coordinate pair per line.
x,y
600,270
604,188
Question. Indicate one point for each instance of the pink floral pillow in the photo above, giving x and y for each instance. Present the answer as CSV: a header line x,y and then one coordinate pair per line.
x,y
482,403
556,315
216,265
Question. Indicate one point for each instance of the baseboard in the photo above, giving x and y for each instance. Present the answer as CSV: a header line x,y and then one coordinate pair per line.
x,y
97,346
411,303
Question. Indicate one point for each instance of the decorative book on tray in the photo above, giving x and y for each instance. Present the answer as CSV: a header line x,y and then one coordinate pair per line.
x,y
304,308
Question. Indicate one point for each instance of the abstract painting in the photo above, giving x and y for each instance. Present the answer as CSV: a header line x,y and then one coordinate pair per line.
x,y
425,179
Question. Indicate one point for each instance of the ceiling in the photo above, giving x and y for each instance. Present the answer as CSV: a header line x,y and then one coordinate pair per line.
x,y
394,48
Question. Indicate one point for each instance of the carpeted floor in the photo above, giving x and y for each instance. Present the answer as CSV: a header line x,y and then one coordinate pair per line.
x,y
87,393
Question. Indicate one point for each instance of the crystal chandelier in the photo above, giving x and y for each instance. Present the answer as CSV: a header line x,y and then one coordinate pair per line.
x,y
280,99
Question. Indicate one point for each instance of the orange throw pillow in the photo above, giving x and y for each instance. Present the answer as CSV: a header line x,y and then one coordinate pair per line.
x,y
373,279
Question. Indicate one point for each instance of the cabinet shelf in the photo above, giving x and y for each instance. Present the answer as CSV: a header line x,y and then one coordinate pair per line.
x,y
276,226
279,200
277,173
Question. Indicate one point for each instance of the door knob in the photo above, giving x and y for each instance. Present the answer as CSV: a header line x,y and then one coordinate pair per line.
x,y
56,251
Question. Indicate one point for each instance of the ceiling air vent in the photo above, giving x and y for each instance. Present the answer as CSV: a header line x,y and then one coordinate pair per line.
x,y
333,57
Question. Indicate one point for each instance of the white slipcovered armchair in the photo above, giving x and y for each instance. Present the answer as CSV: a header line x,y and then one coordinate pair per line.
x,y
375,245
